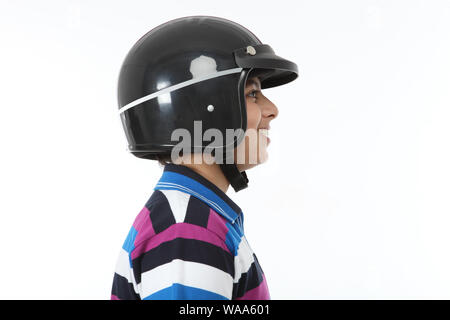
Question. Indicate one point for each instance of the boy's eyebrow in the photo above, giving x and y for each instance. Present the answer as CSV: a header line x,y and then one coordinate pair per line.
x,y
251,81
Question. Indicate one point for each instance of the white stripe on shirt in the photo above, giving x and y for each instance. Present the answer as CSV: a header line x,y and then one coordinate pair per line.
x,y
243,260
123,268
187,273
178,202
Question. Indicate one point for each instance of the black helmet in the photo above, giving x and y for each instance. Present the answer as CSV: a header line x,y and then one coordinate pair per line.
x,y
190,69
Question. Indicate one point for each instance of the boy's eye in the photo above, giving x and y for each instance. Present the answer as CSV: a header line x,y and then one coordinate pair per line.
x,y
253,92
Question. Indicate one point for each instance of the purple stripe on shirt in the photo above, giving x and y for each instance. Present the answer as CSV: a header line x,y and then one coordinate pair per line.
x,y
179,230
217,224
143,226
261,292
114,297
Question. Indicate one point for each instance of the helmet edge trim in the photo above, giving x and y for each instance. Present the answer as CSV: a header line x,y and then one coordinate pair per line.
x,y
178,86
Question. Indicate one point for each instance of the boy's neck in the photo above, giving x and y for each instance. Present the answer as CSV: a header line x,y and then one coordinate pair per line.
x,y
211,172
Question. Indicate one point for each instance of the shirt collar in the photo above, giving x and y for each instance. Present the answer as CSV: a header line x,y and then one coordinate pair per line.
x,y
185,179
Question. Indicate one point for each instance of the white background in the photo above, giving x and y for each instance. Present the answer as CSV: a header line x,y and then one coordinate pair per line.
x,y
353,202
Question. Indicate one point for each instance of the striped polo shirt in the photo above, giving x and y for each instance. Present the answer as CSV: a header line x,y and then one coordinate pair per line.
x,y
188,243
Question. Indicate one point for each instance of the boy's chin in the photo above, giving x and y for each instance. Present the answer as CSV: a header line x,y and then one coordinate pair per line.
x,y
246,166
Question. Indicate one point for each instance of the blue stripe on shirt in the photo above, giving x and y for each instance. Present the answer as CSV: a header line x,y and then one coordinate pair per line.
x,y
181,292
233,238
128,245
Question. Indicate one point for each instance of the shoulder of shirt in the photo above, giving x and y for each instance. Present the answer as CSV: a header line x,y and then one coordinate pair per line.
x,y
166,208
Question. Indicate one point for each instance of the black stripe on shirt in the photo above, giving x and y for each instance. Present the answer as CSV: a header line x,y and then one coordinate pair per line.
x,y
197,212
123,289
161,214
187,250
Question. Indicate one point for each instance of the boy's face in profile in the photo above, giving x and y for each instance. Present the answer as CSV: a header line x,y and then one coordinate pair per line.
x,y
260,111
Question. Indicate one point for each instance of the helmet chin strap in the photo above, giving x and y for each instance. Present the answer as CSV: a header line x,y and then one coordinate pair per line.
x,y
237,179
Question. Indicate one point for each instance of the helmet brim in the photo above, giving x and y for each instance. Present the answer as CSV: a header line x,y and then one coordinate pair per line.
x,y
272,69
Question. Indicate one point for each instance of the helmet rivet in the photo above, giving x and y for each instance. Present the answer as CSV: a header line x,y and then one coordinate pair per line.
x,y
251,50
210,108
